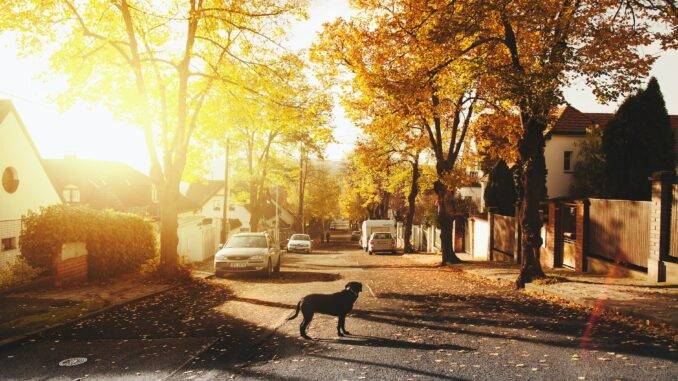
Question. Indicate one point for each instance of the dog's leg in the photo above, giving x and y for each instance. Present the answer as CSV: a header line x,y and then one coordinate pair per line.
x,y
304,325
341,330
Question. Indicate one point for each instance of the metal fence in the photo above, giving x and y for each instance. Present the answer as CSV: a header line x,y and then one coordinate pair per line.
x,y
504,234
619,230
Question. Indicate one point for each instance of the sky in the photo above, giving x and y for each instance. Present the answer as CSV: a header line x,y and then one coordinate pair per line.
x,y
89,131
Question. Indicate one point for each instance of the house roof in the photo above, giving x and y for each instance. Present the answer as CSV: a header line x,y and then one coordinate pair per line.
x,y
102,184
200,193
570,121
6,107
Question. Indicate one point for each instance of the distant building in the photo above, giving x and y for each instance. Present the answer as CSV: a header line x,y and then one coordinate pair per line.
x,y
25,183
103,185
200,228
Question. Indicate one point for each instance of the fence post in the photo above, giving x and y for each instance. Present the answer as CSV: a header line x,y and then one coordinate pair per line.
x,y
517,248
490,240
581,234
660,225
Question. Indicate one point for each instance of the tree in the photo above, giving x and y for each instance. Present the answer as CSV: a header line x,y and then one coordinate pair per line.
x,y
533,50
322,201
430,86
637,141
589,175
154,65
500,191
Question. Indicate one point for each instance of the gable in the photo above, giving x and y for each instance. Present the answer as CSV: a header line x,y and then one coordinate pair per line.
x,y
35,189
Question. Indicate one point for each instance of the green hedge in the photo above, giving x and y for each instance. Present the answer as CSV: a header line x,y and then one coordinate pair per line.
x,y
117,243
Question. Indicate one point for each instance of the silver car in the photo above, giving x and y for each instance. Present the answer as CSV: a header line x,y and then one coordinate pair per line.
x,y
299,243
381,243
253,252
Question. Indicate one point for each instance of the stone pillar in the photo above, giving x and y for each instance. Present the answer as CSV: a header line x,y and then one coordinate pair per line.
x,y
490,240
553,251
660,225
581,232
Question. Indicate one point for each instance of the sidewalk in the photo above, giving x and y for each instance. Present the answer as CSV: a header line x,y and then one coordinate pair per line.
x,y
26,313
651,302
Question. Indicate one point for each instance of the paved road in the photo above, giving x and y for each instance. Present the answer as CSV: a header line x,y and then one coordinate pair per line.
x,y
413,321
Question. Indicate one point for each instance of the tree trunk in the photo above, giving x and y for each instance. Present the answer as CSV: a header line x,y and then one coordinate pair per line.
x,y
169,260
533,165
411,203
445,224
301,190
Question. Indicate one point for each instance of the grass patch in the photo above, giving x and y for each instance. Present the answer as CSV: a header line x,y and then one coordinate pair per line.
x,y
49,318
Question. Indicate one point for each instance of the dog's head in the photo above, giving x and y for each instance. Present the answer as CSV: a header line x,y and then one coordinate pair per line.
x,y
354,286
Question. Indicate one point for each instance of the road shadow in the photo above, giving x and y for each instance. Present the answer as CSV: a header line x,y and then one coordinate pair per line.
x,y
286,277
373,341
501,317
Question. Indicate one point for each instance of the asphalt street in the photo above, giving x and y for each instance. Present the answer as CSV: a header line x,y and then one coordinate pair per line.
x,y
414,321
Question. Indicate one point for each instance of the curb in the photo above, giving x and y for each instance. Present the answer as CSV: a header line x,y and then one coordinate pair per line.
x,y
15,339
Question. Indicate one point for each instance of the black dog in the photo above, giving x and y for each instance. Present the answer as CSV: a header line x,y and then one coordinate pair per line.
x,y
338,304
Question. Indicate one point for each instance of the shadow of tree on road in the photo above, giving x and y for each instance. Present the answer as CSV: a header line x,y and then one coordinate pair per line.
x,y
373,341
287,276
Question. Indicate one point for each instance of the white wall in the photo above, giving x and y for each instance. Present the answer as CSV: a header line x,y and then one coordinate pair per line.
x,y
35,189
239,211
557,180
481,239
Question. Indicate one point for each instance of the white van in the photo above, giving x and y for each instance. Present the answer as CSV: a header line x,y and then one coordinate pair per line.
x,y
375,226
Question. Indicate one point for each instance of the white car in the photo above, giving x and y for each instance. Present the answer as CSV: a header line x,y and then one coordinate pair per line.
x,y
248,252
381,243
300,243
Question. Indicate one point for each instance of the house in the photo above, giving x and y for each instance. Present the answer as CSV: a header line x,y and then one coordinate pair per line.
x,y
200,228
563,136
25,183
103,185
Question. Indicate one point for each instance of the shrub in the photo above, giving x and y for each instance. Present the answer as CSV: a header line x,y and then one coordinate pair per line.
x,y
117,243
500,191
17,273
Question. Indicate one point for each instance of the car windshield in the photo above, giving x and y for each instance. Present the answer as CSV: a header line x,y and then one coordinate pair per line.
x,y
254,241
382,236
300,237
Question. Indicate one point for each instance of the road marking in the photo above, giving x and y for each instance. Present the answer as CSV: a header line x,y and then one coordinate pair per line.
x,y
370,290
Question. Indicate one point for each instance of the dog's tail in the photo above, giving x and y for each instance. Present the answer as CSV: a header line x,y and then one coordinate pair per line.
x,y
296,312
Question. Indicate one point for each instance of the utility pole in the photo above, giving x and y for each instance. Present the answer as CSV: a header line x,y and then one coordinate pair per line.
x,y
225,225
277,215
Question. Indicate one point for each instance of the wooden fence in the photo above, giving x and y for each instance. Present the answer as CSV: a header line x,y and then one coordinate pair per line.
x,y
619,230
673,250
504,234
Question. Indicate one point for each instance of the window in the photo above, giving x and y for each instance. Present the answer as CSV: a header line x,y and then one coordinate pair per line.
x,y
10,180
567,161
8,244
71,194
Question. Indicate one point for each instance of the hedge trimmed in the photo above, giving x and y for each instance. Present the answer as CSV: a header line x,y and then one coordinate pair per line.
x,y
117,243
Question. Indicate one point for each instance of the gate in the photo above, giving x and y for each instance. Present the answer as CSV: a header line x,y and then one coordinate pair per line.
x,y
568,233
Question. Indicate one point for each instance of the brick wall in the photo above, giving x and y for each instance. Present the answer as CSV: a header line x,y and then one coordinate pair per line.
x,y
70,266
581,244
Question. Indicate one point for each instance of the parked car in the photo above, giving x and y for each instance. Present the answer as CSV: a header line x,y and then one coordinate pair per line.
x,y
299,243
355,236
255,252
381,243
